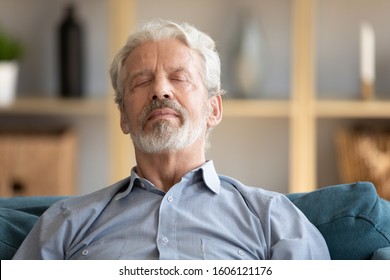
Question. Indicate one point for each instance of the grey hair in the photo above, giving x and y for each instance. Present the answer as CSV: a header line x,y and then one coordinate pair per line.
x,y
158,30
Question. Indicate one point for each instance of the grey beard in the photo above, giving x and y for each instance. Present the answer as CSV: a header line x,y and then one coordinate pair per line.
x,y
166,137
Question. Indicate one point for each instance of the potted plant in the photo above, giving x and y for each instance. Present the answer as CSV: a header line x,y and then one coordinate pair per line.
x,y
10,54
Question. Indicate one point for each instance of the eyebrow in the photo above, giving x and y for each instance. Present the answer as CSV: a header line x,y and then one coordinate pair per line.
x,y
150,72
181,70
140,73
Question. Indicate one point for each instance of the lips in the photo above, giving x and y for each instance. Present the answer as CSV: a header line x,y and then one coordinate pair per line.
x,y
163,113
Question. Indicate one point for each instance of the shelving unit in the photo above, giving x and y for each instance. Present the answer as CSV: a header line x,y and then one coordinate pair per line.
x,y
302,140
256,108
297,110
47,130
352,109
302,110
56,106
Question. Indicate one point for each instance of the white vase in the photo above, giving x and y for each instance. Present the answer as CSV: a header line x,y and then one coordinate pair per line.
x,y
249,60
8,81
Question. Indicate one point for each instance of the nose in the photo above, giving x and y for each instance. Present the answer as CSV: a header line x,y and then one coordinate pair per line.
x,y
162,88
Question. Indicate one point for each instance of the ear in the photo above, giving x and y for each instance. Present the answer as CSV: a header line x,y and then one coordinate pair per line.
x,y
216,111
124,123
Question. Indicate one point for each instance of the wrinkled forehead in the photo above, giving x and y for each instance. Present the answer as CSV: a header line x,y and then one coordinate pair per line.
x,y
172,54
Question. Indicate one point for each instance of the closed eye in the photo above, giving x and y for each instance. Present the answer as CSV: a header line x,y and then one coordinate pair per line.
x,y
179,79
140,79
140,83
179,76
143,82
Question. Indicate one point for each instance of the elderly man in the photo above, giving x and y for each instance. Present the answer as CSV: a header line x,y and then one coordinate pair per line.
x,y
174,205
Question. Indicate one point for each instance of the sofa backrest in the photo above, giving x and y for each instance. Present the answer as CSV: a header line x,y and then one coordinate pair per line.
x,y
17,217
354,221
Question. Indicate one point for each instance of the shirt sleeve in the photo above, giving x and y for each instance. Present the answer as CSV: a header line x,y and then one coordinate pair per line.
x,y
49,237
291,235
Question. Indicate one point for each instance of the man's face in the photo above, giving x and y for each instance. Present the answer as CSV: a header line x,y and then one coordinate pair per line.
x,y
166,107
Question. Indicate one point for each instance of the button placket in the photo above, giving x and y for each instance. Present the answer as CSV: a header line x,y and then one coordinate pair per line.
x,y
166,235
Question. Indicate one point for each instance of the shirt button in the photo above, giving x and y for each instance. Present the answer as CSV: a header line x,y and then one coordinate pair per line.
x,y
170,198
241,253
84,252
165,240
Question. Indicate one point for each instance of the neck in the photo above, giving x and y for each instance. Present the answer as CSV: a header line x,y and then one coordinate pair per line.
x,y
166,169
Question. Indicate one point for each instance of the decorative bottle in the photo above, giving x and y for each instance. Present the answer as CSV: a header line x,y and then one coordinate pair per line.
x,y
249,61
71,55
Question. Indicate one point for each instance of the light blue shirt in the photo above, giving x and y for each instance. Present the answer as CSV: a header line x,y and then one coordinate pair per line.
x,y
204,216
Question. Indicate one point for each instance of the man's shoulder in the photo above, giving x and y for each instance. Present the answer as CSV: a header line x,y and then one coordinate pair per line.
x,y
98,198
257,198
260,200
246,190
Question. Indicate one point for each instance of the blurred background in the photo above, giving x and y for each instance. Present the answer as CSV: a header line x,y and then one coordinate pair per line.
x,y
255,39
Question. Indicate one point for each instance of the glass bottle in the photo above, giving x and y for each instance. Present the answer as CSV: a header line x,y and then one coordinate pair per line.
x,y
71,55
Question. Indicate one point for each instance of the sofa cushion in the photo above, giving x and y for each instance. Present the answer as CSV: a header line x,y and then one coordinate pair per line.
x,y
353,219
17,217
381,254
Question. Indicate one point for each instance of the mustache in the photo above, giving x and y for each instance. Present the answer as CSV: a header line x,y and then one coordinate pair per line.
x,y
161,104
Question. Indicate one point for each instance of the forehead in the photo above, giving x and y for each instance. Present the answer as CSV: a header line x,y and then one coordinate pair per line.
x,y
171,53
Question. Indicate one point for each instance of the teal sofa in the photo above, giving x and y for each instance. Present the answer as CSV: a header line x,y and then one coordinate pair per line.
x,y
354,221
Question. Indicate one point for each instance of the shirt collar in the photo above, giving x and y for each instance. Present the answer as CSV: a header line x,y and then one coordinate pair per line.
x,y
134,176
210,176
206,171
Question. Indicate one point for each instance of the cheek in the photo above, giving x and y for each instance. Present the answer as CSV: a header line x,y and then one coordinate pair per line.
x,y
131,113
134,103
200,111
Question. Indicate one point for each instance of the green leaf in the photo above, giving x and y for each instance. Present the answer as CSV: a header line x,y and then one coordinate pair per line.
x,y
10,49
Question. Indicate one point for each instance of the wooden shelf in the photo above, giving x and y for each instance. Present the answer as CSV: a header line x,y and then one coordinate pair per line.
x,y
56,106
302,110
352,109
256,108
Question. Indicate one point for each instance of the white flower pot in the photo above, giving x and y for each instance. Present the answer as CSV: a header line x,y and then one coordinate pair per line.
x,y
8,81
